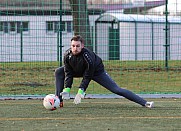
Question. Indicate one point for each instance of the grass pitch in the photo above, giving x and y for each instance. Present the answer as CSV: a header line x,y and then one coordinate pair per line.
x,y
25,78
91,115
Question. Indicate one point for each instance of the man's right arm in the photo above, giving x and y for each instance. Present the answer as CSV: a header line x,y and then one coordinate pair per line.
x,y
68,72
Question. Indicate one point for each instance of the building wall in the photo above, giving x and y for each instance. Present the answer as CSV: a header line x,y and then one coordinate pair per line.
x,y
102,41
138,41
127,41
141,40
36,44
175,42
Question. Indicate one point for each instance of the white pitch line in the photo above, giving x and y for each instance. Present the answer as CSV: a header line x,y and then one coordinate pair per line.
x,y
93,118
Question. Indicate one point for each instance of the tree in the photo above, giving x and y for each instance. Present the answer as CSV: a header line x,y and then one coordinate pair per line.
x,y
81,20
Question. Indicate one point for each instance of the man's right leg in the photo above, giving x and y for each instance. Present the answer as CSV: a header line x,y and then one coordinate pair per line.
x,y
59,83
106,81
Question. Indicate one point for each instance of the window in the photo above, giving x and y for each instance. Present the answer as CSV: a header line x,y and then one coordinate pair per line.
x,y
63,26
14,26
1,26
24,26
56,26
69,26
18,27
53,26
49,25
6,30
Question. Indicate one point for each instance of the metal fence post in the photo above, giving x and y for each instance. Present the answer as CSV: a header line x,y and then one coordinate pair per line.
x,y
166,36
21,40
60,34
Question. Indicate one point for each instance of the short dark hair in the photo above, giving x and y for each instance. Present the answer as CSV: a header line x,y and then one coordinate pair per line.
x,y
77,38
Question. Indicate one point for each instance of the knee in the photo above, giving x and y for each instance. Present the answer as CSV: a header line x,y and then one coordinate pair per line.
x,y
56,72
117,91
59,72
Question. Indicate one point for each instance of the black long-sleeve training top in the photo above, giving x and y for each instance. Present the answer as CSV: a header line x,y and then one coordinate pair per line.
x,y
86,64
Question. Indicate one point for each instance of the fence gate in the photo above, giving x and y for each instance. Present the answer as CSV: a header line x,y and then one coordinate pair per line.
x,y
114,48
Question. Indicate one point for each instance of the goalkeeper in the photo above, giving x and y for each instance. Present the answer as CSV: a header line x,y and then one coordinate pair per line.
x,y
82,62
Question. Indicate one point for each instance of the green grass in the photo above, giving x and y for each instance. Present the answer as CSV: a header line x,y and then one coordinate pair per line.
x,y
137,76
91,115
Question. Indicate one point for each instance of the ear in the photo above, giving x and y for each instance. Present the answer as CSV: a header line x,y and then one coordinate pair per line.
x,y
82,45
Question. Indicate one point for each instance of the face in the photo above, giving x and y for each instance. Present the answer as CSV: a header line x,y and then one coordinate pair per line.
x,y
76,47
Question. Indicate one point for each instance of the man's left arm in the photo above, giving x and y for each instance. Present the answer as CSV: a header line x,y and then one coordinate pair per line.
x,y
88,74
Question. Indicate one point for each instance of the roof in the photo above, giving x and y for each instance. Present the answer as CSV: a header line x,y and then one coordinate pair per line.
x,y
119,17
52,7
55,4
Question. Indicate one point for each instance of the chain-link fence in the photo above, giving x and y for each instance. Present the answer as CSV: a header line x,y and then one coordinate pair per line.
x,y
138,40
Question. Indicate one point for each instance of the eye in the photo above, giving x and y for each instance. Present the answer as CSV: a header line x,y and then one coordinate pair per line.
x,y
75,45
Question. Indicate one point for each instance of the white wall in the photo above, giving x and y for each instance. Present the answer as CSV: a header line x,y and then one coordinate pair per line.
x,y
103,41
142,41
127,41
175,42
159,41
38,45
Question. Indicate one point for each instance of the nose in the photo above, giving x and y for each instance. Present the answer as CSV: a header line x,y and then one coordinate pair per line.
x,y
75,48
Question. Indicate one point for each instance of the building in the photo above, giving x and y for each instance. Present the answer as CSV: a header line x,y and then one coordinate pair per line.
x,y
137,37
29,29
173,8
